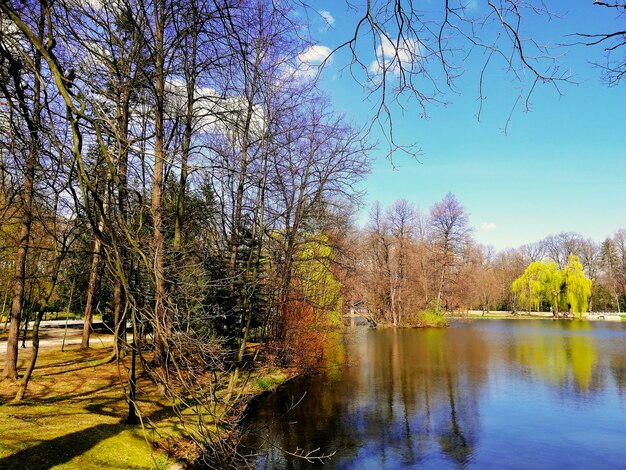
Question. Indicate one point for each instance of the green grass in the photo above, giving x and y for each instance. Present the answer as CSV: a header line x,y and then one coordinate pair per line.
x,y
73,442
268,382
488,316
73,417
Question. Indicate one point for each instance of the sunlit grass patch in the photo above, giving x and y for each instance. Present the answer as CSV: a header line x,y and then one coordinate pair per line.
x,y
267,383
73,416
74,410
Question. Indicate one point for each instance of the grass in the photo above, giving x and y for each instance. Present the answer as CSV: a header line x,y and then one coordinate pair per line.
x,y
518,316
73,417
74,411
268,380
488,316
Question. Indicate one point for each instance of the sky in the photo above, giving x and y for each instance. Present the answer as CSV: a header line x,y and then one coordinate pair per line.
x,y
560,167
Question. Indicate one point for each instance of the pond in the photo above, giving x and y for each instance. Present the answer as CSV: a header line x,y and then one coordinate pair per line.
x,y
483,394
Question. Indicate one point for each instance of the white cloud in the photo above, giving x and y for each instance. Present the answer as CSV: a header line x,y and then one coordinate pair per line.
x,y
487,226
330,21
315,55
392,55
214,113
311,59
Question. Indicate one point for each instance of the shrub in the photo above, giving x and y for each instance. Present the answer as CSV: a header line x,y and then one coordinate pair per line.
x,y
430,317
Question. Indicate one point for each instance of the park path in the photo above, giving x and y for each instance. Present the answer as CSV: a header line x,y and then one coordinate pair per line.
x,y
51,334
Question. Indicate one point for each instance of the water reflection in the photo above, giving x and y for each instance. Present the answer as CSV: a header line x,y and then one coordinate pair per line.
x,y
440,398
581,357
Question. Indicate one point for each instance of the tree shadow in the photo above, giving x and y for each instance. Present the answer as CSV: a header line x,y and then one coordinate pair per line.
x,y
60,450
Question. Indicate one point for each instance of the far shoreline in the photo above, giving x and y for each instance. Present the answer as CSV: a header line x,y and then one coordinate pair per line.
x,y
508,315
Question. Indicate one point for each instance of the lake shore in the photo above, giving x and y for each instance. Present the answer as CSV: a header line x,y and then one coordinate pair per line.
x,y
504,315
74,410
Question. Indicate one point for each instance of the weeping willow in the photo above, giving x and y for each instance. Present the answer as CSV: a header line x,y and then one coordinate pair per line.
x,y
565,290
541,281
578,287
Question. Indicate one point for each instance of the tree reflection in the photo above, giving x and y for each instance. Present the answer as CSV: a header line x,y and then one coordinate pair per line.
x,y
582,354
405,398
564,356
618,371
411,391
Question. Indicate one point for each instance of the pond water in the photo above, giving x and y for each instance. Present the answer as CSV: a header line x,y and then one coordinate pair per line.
x,y
485,394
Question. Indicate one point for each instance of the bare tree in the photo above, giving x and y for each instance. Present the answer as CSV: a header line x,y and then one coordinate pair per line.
x,y
533,251
323,157
559,247
449,231
379,266
26,111
613,43
402,218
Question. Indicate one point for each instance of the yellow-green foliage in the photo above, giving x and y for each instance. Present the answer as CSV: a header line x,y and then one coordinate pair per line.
x,y
540,280
561,288
559,359
430,317
318,284
578,288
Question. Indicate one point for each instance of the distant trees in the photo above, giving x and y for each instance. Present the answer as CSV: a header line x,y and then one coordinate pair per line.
x,y
413,263
405,264
542,281
483,281
577,286
613,261
390,253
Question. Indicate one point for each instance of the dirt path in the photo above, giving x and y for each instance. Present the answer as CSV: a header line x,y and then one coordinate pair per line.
x,y
52,336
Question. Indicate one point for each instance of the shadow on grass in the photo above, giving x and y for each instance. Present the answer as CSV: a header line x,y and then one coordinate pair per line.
x,y
60,450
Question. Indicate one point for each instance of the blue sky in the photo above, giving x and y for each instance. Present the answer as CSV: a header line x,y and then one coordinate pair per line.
x,y
560,167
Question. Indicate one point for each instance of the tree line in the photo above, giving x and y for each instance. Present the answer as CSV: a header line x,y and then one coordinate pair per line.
x,y
409,265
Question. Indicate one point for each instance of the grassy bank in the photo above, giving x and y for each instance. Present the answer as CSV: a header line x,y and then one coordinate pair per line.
x,y
427,318
73,416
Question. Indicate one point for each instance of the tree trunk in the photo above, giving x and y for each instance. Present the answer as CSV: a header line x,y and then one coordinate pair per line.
x,y
91,290
10,365
132,417
186,148
441,286
163,321
119,299
19,280
259,222
119,318
33,360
